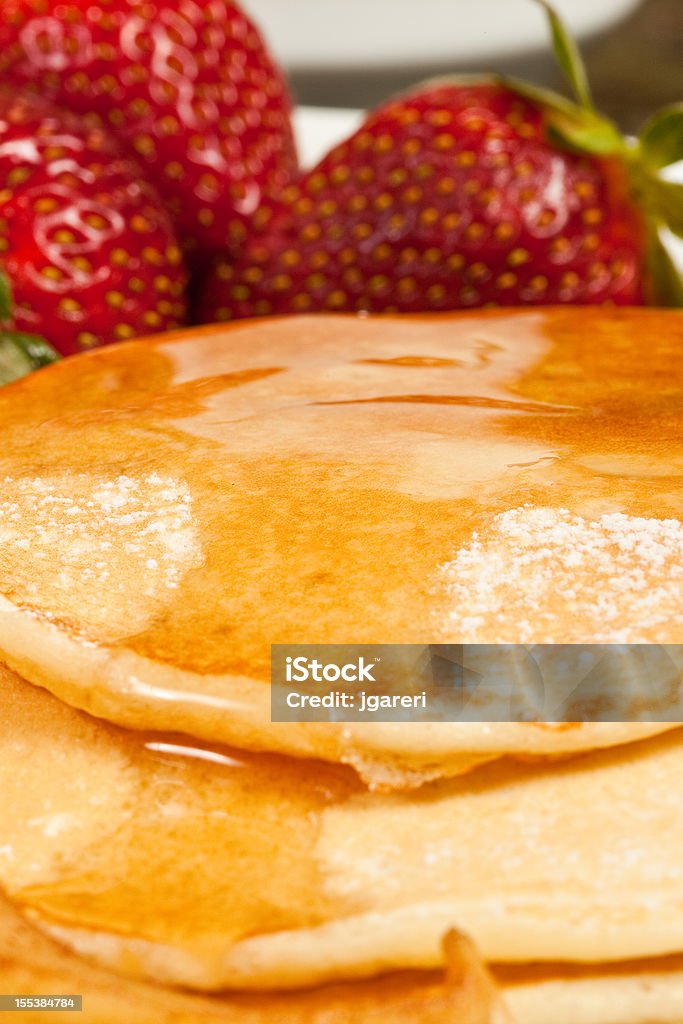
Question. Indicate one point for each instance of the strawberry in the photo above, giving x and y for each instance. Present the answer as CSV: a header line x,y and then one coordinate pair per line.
x,y
86,244
188,85
468,193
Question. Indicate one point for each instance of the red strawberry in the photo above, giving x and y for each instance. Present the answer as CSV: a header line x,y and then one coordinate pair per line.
x,y
188,84
87,245
466,194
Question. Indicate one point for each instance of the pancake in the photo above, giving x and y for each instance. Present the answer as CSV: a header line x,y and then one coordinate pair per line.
x,y
641,992
636,992
211,869
170,508
31,964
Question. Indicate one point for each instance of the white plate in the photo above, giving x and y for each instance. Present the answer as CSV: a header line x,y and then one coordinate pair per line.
x,y
356,35
318,129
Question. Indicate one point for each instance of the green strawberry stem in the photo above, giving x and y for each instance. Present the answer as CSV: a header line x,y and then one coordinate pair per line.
x,y
569,57
19,353
661,140
578,126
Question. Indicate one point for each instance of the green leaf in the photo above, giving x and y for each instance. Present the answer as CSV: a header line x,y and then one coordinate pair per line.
x,y
670,205
6,302
14,362
595,135
661,140
572,126
569,57
22,353
36,348
543,97
667,284
661,200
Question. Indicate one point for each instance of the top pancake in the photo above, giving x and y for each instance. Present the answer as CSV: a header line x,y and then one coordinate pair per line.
x,y
170,508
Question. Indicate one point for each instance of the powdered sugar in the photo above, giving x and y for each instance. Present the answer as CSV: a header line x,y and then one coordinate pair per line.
x,y
98,549
540,575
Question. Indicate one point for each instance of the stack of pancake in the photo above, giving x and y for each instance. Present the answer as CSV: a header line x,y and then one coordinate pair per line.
x,y
170,508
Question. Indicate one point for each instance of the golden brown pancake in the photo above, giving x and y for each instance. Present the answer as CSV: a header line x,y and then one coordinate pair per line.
x,y
30,963
212,869
640,992
634,992
171,508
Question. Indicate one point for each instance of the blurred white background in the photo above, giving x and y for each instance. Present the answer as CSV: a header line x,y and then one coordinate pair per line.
x,y
326,36
356,53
